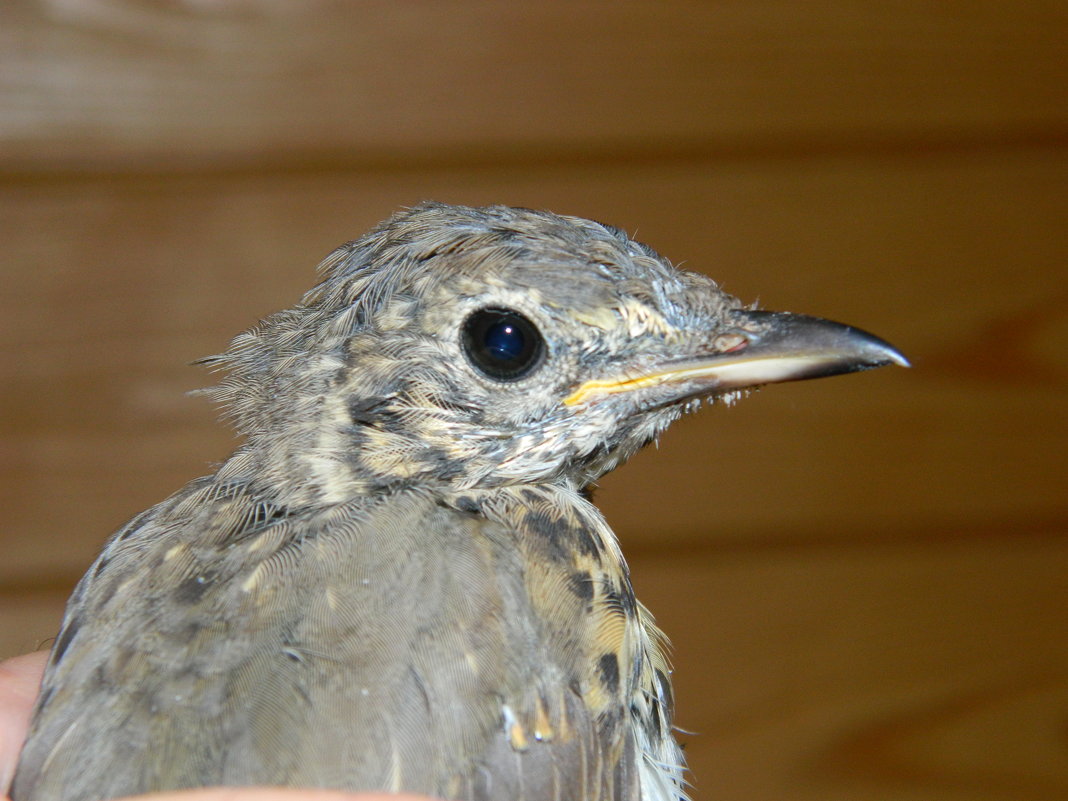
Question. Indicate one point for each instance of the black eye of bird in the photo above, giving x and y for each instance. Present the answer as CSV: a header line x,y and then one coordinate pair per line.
x,y
502,344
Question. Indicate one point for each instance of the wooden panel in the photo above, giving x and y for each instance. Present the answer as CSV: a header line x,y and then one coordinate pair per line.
x,y
902,671
29,618
895,672
113,286
130,84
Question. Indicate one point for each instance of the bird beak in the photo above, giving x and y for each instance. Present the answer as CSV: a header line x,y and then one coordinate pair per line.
x,y
762,347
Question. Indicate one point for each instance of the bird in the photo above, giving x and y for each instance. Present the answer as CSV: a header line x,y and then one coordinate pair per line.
x,y
399,581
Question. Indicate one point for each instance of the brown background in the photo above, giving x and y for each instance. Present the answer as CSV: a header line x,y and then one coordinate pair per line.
x,y
866,579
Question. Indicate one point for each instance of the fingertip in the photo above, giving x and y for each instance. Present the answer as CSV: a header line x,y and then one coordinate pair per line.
x,y
23,672
20,679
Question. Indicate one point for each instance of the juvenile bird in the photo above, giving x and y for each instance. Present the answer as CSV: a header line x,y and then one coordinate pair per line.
x,y
398,582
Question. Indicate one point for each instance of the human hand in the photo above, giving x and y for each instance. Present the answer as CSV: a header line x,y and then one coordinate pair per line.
x,y
19,679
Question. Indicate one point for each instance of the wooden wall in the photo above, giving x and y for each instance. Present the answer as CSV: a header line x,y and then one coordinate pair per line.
x,y
866,579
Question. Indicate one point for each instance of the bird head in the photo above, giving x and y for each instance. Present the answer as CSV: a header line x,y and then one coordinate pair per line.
x,y
456,348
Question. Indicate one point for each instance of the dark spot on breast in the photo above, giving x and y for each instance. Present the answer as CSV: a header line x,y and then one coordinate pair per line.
x,y
530,496
581,583
587,543
628,601
468,504
609,668
70,628
552,531
613,598
192,589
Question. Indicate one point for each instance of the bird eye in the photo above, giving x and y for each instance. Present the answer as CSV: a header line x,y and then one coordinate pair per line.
x,y
502,344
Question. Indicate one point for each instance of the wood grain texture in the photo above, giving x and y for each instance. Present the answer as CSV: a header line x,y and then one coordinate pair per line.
x,y
135,85
907,670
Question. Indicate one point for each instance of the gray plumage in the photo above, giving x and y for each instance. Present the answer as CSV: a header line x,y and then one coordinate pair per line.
x,y
398,582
